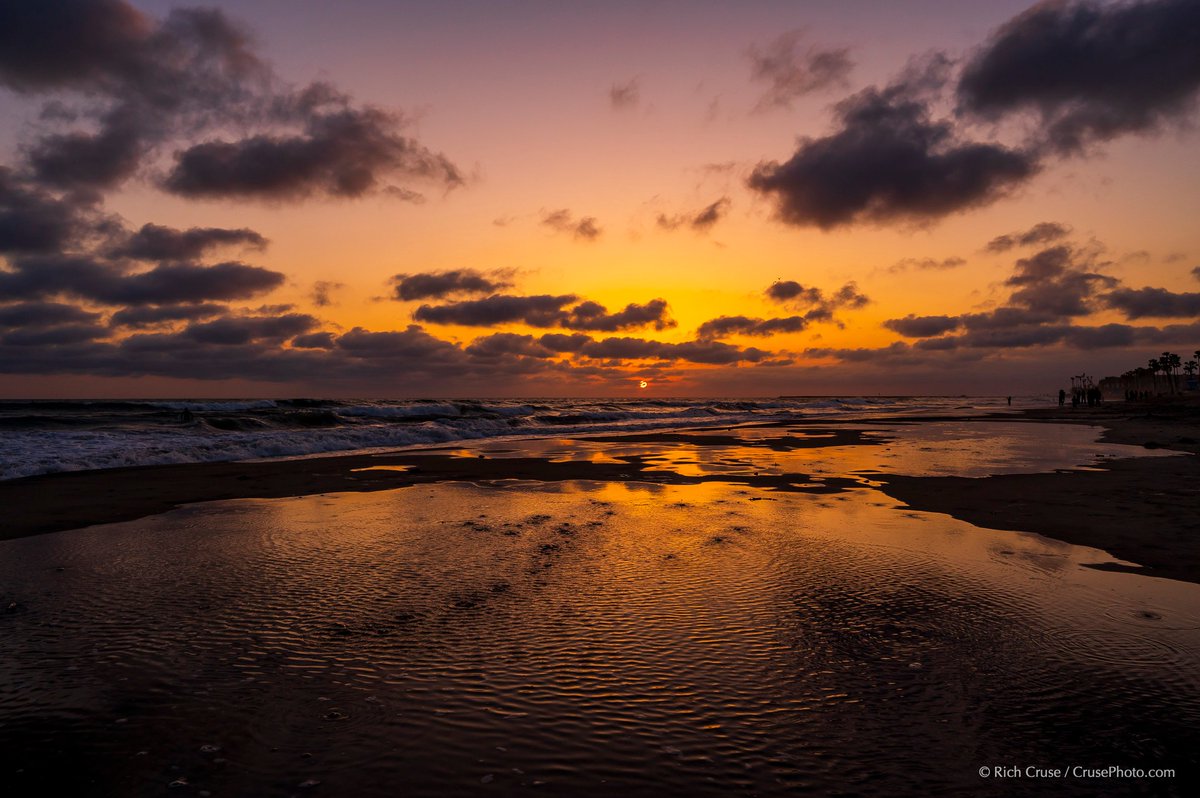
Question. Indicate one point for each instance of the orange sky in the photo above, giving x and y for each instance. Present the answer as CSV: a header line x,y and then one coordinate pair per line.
x,y
637,118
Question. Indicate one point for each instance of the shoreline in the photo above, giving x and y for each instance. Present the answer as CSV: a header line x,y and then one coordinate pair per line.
x,y
1141,510
72,499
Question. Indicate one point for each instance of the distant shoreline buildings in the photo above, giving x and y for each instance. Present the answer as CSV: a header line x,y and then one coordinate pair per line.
x,y
1166,375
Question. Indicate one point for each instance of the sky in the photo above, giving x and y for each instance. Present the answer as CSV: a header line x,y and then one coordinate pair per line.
x,y
475,199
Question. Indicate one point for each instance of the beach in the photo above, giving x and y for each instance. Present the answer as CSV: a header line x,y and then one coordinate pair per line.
x,y
855,605
1145,510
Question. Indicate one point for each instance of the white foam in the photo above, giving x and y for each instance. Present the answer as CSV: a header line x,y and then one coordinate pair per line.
x,y
40,450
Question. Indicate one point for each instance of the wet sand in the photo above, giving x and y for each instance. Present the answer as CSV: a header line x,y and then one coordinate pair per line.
x,y
1143,510
55,502
735,611
583,639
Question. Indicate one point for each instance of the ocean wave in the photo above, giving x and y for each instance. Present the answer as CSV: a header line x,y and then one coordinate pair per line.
x,y
216,406
47,437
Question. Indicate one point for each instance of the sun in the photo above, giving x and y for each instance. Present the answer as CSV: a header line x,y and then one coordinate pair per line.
x,y
643,384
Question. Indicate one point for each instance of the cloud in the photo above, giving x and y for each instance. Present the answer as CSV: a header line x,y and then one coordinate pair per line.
x,y
155,242
1104,336
506,345
341,152
791,74
1040,233
1196,272
1049,290
44,314
82,277
926,264
186,282
897,353
1089,71
1136,303
413,342
288,348
542,310
52,335
109,46
547,311
558,342
563,221
146,83
238,330
724,326
91,160
848,296
705,352
1182,335
624,96
436,285
888,160
1084,337
1006,338
1006,317
701,221
594,316
923,326
1052,282
322,292
816,305
34,221
316,340
404,194
786,290
154,315
820,307
185,102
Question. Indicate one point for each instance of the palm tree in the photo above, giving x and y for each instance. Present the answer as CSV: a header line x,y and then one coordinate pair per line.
x,y
1154,366
1171,363
1190,368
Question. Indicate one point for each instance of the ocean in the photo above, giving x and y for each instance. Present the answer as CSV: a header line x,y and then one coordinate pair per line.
x,y
43,437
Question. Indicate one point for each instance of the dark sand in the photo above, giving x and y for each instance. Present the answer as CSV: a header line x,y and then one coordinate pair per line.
x,y
1145,511
54,502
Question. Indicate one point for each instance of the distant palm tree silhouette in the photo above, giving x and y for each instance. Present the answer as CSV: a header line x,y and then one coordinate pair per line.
x,y
1170,366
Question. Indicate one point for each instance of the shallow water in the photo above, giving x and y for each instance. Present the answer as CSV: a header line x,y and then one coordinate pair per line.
x,y
51,436
947,448
583,638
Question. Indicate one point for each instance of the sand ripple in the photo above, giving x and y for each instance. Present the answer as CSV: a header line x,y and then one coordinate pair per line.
x,y
580,639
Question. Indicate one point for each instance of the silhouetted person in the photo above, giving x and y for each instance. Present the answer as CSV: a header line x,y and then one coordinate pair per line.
x,y
1062,397
1010,400
186,416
